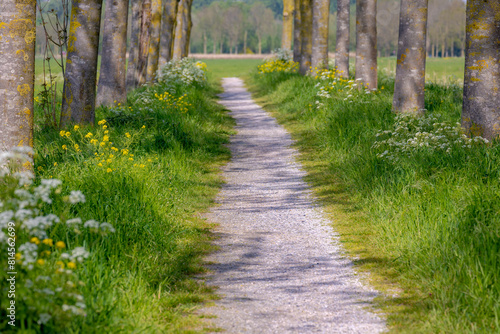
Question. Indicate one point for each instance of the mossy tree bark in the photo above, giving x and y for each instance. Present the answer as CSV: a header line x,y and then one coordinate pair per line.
x,y
305,36
287,35
343,38
144,36
297,26
168,23
481,107
133,53
321,12
409,88
79,92
182,29
17,68
366,42
154,41
113,76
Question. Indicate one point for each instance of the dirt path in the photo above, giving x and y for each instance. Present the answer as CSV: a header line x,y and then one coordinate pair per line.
x,y
280,268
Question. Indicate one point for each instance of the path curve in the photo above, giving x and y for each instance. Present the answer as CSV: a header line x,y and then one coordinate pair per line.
x,y
280,268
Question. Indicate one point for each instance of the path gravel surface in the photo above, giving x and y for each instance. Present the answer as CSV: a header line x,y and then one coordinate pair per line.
x,y
280,268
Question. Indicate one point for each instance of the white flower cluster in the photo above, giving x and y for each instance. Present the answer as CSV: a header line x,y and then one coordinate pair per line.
x,y
183,72
283,55
412,134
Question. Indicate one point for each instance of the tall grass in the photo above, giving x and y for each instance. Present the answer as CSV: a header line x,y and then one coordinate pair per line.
x,y
427,219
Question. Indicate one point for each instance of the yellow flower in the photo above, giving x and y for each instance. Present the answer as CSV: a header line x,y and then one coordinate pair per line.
x,y
101,122
107,131
115,149
105,138
35,241
149,160
68,134
124,151
76,127
55,164
142,166
104,127
48,242
62,133
99,164
143,127
65,147
60,264
109,161
131,159
102,143
71,265
40,262
39,168
18,256
94,141
45,253
77,147
88,135
127,135
109,170
60,244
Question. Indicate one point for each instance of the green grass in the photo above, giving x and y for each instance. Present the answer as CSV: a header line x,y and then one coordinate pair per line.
x,y
221,68
427,228
140,278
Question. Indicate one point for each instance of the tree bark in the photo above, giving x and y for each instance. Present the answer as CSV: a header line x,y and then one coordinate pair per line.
x,y
79,92
409,86
286,38
366,42
17,68
297,26
245,42
142,62
481,106
167,31
133,51
154,42
306,36
113,75
260,44
204,43
183,29
343,38
321,12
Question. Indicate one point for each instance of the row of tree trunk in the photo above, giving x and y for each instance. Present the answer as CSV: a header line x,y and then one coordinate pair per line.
x,y
481,99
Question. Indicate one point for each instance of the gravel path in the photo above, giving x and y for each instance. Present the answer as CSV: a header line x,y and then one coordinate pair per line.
x,y
280,268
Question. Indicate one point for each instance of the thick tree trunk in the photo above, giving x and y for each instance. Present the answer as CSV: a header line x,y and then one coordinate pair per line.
x,y
17,68
297,26
142,63
321,12
79,92
133,50
343,40
167,31
286,37
112,78
183,29
366,42
410,69
306,36
154,42
481,107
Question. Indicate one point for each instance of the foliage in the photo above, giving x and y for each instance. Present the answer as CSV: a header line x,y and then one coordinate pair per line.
x,y
185,71
281,60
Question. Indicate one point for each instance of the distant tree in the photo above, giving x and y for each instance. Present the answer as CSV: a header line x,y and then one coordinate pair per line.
x,y
286,39
133,58
343,32
144,37
113,75
481,107
233,25
410,69
321,13
366,42
154,41
305,35
297,26
79,92
262,20
17,65
168,23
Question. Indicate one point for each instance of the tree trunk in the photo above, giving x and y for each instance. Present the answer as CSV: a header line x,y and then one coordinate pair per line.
x,y
343,40
306,36
221,43
142,63
245,42
113,75
183,29
17,68
297,26
167,31
260,44
78,104
133,51
481,106
154,42
366,42
410,69
214,47
321,12
286,38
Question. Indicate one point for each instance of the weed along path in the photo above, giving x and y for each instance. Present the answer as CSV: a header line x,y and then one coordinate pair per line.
x,y
279,268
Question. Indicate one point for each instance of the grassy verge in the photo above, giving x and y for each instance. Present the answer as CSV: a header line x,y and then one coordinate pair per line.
x,y
423,219
147,168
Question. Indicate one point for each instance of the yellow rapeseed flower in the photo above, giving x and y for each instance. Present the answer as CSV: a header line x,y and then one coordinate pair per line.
x,y
71,265
143,127
124,151
88,135
77,147
48,242
18,256
127,135
45,253
68,134
62,133
101,122
99,164
106,132
109,170
102,144
55,164
40,262
60,245
115,149
142,165
94,141
65,147
104,127
35,241
76,127
105,138
60,264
